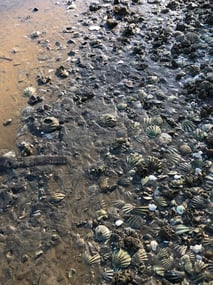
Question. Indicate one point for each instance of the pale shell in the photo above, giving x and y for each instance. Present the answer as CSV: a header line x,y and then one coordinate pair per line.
x,y
29,91
120,259
102,233
91,259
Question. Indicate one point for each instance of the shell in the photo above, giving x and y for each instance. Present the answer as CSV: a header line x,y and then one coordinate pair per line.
x,y
161,201
159,270
181,229
91,259
50,124
135,222
168,262
102,233
108,275
187,264
174,276
140,211
153,131
199,134
120,259
108,120
127,208
200,266
139,257
153,163
198,202
56,197
187,126
134,158
29,91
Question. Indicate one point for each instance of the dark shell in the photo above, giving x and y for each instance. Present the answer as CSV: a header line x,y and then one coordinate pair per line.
x,y
174,276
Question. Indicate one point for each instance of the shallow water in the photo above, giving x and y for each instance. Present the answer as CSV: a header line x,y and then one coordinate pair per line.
x,y
21,58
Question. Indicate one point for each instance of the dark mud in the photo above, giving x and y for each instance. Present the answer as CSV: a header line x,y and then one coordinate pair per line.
x,y
124,101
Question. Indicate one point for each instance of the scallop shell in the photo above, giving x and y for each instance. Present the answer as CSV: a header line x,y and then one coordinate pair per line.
x,y
120,259
102,233
29,91
187,126
174,276
140,211
147,121
199,134
198,202
108,275
159,270
127,208
157,120
91,259
153,131
182,229
139,257
153,163
168,262
200,266
135,222
161,201
134,158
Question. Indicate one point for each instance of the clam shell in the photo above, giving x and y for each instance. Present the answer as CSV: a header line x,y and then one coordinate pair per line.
x,y
121,259
102,233
91,259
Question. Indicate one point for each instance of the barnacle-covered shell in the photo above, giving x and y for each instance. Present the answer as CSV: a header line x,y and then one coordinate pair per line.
x,y
153,131
102,233
29,91
108,120
134,158
91,259
120,259
50,124
187,125
153,163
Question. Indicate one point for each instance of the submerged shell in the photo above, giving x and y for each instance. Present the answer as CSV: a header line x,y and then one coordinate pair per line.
x,y
91,259
29,91
108,275
120,259
187,126
174,276
153,131
135,222
102,233
139,257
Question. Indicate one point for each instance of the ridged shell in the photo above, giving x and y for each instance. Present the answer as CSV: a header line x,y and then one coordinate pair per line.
x,y
140,211
50,124
199,134
134,158
153,131
153,163
120,259
199,202
200,266
139,257
181,229
184,166
159,270
168,262
127,208
161,201
135,222
91,259
29,91
187,126
108,275
102,233
174,276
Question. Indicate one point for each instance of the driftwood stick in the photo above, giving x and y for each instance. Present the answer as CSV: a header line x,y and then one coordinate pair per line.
x,y
29,161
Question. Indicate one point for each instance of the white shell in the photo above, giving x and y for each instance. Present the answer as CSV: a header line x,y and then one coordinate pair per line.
x,y
154,245
152,207
118,223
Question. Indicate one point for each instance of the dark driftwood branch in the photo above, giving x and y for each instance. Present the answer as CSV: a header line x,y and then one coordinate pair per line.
x,y
29,161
